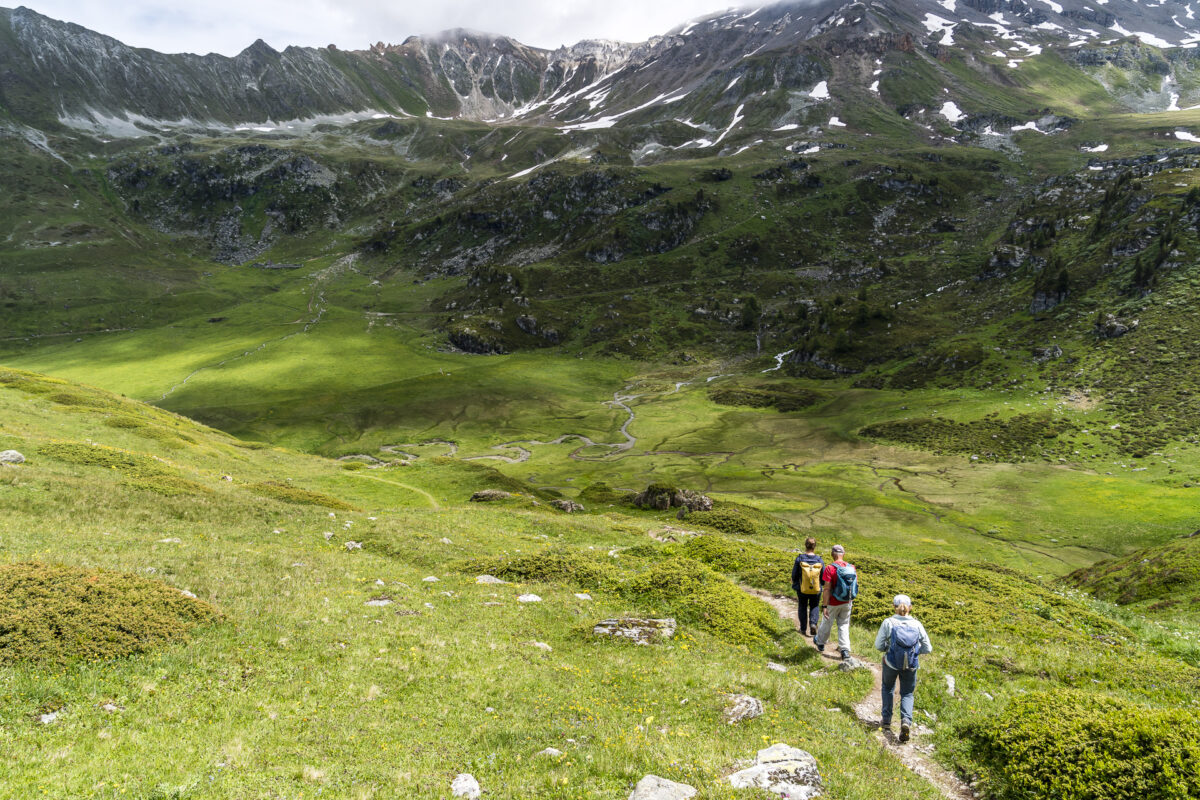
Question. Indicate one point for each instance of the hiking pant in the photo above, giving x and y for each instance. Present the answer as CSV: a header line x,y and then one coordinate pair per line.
x,y
908,684
840,616
809,611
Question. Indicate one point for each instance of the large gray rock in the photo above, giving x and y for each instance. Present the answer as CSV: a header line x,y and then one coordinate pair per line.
x,y
1111,327
785,771
569,506
490,495
642,631
653,787
11,457
742,707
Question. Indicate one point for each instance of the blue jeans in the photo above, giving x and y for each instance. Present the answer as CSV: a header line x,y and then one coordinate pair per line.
x,y
908,684
809,611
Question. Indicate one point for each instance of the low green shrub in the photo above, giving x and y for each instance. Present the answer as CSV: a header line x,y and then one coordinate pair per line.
x,y
353,466
739,520
601,493
1073,745
784,400
557,565
129,463
761,567
167,485
293,494
56,615
695,594
991,439
1169,574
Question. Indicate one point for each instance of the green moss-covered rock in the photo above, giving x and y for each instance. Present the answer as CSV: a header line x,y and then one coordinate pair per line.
x,y
1072,745
56,615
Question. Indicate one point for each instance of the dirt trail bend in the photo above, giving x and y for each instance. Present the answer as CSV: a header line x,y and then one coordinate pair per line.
x,y
913,754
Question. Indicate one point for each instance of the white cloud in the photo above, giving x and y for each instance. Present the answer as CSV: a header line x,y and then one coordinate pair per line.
x,y
228,26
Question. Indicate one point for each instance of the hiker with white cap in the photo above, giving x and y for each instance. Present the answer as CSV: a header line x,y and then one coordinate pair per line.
x,y
901,639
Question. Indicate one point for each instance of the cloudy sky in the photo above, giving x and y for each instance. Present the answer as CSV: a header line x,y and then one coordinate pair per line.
x,y
227,26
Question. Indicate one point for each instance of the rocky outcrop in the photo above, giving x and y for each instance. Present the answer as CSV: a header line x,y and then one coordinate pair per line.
x,y
784,771
569,506
740,708
642,631
490,495
653,787
661,497
1112,327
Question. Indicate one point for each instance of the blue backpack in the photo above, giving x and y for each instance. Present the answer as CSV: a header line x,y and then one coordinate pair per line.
x,y
905,646
845,585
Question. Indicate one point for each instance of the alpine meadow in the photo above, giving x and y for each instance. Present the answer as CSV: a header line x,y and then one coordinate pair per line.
x,y
444,418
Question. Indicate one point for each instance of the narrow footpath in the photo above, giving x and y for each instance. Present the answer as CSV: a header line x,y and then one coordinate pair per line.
x,y
867,711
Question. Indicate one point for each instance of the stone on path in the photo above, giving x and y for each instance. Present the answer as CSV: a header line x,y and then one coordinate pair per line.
x,y
852,663
465,785
11,457
489,579
742,707
785,771
490,495
529,598
653,787
642,631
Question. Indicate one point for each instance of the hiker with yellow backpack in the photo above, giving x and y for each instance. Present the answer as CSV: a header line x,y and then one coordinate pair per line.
x,y
806,581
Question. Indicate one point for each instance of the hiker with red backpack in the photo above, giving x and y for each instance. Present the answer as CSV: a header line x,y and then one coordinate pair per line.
x,y
901,639
839,587
806,582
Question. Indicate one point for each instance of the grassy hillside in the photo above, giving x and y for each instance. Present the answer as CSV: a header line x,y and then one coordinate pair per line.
x,y
346,671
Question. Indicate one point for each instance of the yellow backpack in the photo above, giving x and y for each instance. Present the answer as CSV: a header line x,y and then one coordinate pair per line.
x,y
810,578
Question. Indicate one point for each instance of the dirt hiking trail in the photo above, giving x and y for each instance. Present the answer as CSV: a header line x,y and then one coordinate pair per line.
x,y
914,754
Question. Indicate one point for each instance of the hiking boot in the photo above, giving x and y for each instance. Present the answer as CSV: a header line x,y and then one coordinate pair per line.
x,y
845,655
886,725
820,647
904,731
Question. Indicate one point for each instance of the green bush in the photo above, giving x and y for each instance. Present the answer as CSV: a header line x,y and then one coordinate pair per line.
x,y
779,399
167,485
293,494
558,565
1072,745
55,615
600,493
739,520
991,439
695,594
127,462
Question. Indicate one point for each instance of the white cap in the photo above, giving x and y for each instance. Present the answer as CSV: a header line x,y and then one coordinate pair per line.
x,y
901,600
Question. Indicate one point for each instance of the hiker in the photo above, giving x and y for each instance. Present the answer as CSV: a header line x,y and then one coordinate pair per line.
x,y
839,587
901,639
806,582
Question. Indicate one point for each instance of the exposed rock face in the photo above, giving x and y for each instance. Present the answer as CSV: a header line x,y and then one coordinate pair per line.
x,y
653,787
473,341
1112,327
1043,354
785,771
663,497
11,457
642,631
490,495
569,506
742,707
1046,301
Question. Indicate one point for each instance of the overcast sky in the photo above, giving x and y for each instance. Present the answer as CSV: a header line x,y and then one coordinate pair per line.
x,y
228,26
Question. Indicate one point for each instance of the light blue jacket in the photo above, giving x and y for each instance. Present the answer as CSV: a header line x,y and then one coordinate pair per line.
x,y
883,639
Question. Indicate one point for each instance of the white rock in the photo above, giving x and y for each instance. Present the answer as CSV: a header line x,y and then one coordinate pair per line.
x,y
228,478
465,785
641,631
111,708
950,685
785,771
741,708
430,579
550,752
328,535
541,646
172,540
187,594
489,579
46,719
446,541
776,667
11,457
653,787
583,596
379,582
379,602
353,546
529,598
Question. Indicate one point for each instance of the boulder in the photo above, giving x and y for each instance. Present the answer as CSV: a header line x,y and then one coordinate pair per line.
x,y
489,579
642,631
569,506
550,752
742,707
1111,327
490,495
11,457
663,497
653,787
1043,354
529,598
465,785
785,771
